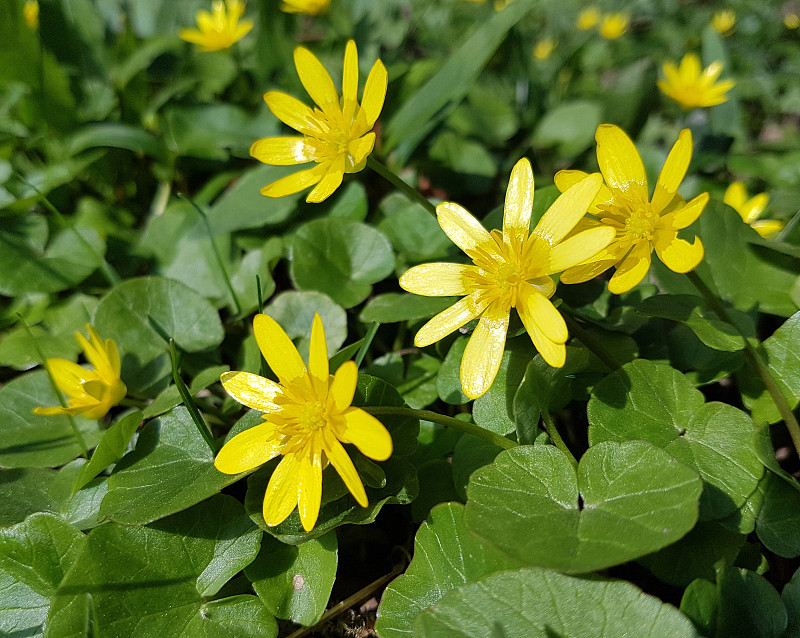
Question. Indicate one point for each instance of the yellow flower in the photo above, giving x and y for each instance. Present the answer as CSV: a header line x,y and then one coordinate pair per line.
x,y
30,11
219,29
723,21
308,416
544,48
311,7
750,209
614,25
791,21
511,269
91,393
337,136
641,224
690,86
588,18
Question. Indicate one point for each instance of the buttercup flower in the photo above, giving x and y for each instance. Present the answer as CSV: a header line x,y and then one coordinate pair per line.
x,y
723,21
640,224
510,269
544,48
307,418
337,135
30,11
91,393
690,86
750,209
219,29
310,7
791,21
588,18
614,25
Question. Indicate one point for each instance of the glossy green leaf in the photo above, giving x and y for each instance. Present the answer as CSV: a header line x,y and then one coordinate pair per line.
x,y
749,607
570,127
110,449
530,504
778,522
449,382
699,603
470,453
415,234
791,599
392,307
414,380
116,135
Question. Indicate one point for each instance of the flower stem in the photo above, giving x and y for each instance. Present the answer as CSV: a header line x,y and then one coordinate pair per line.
x,y
447,421
587,339
755,360
399,184
362,351
555,437
188,401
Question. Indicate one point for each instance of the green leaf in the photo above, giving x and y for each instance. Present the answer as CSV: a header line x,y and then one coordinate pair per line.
x,y
116,135
295,581
655,403
25,491
791,599
392,307
699,603
170,469
570,127
110,449
415,382
470,453
449,382
445,557
466,157
749,607
778,522
530,504
341,258
537,603
156,580
415,234
34,440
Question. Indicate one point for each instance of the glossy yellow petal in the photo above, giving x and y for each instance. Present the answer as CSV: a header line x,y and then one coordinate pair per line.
x,y
95,351
344,466
545,315
251,390
451,319
484,351
295,182
279,351
752,208
343,386
316,80
463,229
673,171
767,227
350,73
519,201
329,183
374,92
687,214
566,178
677,254
193,36
368,434
735,195
318,357
291,111
69,376
57,410
359,149
437,279
249,449
309,487
568,209
579,248
283,150
553,353
619,160
584,272
632,269
282,491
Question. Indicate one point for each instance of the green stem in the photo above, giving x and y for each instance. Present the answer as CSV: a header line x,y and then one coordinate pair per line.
x,y
362,351
188,401
447,421
555,437
755,360
587,339
399,184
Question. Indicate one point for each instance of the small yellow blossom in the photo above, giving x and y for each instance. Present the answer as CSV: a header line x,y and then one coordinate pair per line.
x,y
337,135
588,18
691,86
30,11
723,21
219,29
544,48
307,418
91,393
641,224
614,25
510,269
750,209
791,21
310,7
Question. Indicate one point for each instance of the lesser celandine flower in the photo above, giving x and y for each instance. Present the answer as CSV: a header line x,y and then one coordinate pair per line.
x,y
640,224
219,29
307,418
588,18
750,209
309,7
614,25
91,393
791,21
723,21
692,86
510,269
544,48
30,11
337,135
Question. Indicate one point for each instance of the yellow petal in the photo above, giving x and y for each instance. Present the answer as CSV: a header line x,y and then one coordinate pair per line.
x,y
248,450
329,183
368,434
632,269
295,182
545,315
579,248
451,319
251,390
754,207
316,80
374,92
282,492
618,158
343,386
519,201
283,150
463,229
318,357
291,111
673,171
767,227
350,73
69,376
278,349
568,209
95,351
553,353
56,410
484,351
344,466
585,272
359,149
566,178
677,254
309,487
437,279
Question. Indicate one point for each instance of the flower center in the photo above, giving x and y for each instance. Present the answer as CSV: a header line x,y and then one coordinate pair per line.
x,y
311,415
631,214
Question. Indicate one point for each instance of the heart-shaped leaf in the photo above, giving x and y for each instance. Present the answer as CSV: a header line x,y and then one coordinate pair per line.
x,y
627,500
